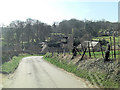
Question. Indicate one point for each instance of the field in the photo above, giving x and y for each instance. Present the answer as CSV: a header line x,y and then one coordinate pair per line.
x,y
99,54
107,38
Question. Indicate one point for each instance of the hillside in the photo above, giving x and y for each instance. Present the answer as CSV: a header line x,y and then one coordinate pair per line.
x,y
98,72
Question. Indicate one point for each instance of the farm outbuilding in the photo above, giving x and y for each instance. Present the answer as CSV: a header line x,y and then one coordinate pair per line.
x,y
94,44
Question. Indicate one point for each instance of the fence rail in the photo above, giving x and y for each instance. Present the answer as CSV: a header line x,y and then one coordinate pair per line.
x,y
113,52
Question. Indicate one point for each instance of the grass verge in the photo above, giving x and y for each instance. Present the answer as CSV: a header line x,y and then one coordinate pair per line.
x,y
93,77
10,66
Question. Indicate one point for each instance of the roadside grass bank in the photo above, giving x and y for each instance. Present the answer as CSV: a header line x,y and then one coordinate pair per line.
x,y
11,66
97,78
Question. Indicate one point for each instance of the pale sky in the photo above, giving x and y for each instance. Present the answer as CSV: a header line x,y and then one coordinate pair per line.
x,y
49,11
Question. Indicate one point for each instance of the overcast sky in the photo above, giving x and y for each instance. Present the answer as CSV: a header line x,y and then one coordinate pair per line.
x,y
49,11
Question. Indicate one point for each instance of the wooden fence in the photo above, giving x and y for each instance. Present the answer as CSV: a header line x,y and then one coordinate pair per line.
x,y
114,52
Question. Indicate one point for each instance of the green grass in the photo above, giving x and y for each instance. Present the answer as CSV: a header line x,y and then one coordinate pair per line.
x,y
99,54
57,33
107,38
9,67
68,67
99,80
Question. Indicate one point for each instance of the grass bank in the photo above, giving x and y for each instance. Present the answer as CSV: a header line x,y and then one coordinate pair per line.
x,y
68,67
10,66
95,78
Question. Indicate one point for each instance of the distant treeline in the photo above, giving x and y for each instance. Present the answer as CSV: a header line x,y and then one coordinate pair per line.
x,y
26,35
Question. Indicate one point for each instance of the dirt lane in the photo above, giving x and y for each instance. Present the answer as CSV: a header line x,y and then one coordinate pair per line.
x,y
34,72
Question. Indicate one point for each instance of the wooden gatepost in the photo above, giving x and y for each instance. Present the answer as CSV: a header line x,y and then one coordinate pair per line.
x,y
107,53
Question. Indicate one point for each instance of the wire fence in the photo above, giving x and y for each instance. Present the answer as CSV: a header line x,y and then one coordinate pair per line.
x,y
102,50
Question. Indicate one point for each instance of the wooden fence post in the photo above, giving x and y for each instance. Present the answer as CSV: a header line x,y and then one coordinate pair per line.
x,y
74,52
118,48
114,47
93,50
64,52
111,47
89,50
52,53
101,49
82,47
107,53
82,56
78,51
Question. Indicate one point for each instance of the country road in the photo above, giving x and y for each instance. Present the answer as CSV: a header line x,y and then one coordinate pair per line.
x,y
34,72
